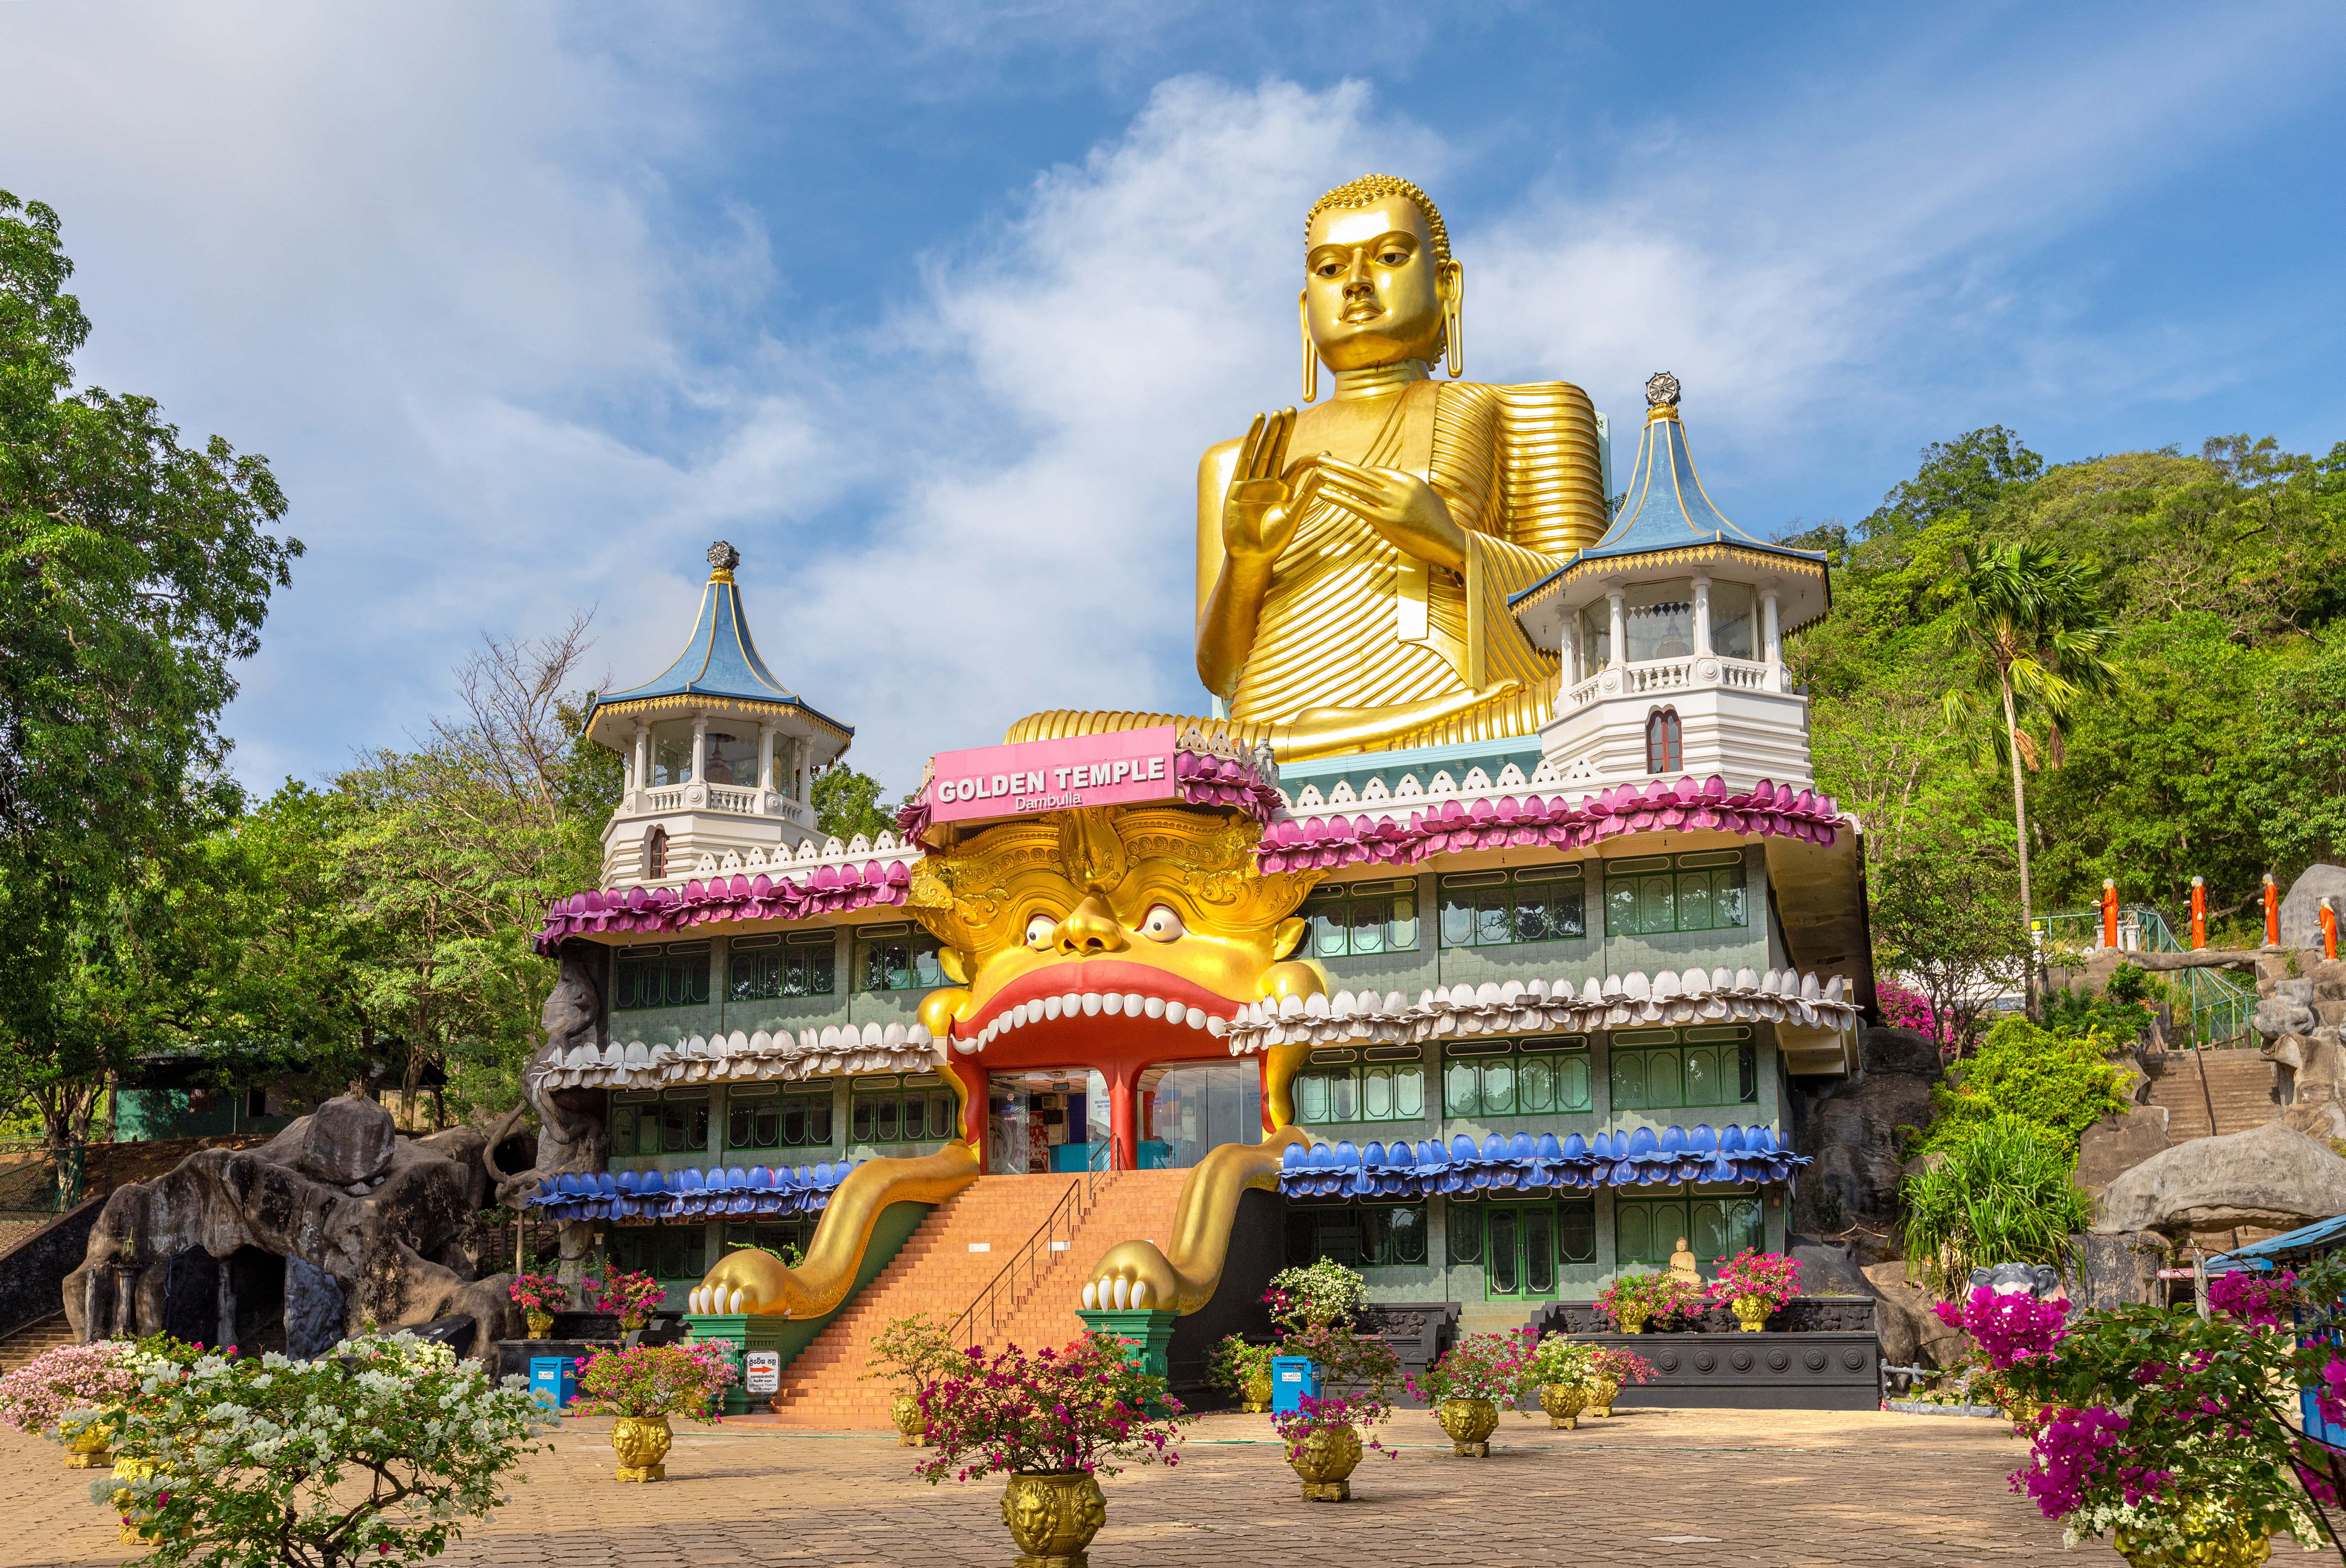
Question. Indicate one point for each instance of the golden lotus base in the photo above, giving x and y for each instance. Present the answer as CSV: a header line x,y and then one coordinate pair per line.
x,y
642,1472
1256,1407
1327,1492
1471,1449
1564,1423
913,1439
88,1459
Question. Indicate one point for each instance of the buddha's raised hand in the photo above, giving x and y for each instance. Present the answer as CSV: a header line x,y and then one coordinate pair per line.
x,y
1398,506
1260,508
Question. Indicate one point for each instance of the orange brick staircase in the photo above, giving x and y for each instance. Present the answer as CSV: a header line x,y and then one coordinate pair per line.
x,y
936,1272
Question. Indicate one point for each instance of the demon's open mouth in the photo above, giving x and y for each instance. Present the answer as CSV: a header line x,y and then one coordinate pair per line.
x,y
1073,995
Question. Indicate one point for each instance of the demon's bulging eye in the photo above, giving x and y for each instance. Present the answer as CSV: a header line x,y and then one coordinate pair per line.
x,y
1039,929
1162,924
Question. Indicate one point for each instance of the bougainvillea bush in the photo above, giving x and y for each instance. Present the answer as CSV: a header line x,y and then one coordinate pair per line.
x,y
1499,1368
1312,1416
1081,1408
1559,1360
2177,1429
1322,1291
2008,1327
1234,1364
1769,1277
38,1394
1659,1299
1904,1008
539,1293
379,1452
2255,1297
630,1296
1623,1367
655,1380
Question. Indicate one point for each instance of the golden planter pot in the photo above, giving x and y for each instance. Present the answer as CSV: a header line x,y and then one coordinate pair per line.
x,y
1562,1402
2233,1548
541,1324
1634,1322
86,1449
911,1426
1601,1395
1330,1456
1470,1423
641,1442
131,1470
1053,1518
1254,1395
1752,1313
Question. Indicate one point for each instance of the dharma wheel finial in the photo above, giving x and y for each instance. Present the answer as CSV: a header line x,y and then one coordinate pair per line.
x,y
1661,389
723,558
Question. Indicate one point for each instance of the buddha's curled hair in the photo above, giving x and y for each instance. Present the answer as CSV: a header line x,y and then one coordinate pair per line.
x,y
1372,187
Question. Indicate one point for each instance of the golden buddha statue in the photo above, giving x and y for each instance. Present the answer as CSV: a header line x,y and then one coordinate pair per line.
x,y
1355,558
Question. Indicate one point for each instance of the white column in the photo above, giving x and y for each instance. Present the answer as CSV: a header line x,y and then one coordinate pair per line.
x,y
1771,645
765,761
1571,651
699,747
1701,616
643,757
1621,629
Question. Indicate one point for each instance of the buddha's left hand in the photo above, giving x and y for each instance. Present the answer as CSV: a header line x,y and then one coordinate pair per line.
x,y
1403,508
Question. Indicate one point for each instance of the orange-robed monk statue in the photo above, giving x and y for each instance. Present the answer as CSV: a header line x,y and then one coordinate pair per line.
x,y
1355,558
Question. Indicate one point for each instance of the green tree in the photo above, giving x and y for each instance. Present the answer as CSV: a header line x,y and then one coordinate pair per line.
x,y
2006,1192
1944,915
847,802
2028,626
2300,793
1969,475
2060,1082
134,572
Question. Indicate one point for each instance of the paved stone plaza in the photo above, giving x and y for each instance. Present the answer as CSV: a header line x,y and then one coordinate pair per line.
x,y
1789,1488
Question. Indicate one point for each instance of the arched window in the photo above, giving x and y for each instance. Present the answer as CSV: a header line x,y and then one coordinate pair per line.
x,y
655,854
1665,746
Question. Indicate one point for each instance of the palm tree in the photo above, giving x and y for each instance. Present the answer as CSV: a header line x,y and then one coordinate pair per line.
x,y
2029,629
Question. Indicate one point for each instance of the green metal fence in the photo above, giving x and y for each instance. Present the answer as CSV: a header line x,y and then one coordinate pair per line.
x,y
2221,1005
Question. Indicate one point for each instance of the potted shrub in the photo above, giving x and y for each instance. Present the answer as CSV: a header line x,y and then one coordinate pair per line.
x,y
910,1350
2173,1434
62,1391
1566,1371
2006,1328
1613,1369
540,1297
1469,1383
1317,1294
1324,1441
1051,1423
1755,1285
1647,1297
1242,1372
251,1459
631,1298
641,1386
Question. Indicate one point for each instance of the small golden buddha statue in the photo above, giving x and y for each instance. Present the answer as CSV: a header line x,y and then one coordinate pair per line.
x,y
1683,1265
1355,558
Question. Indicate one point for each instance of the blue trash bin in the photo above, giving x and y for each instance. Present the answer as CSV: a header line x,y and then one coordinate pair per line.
x,y
1292,1378
554,1379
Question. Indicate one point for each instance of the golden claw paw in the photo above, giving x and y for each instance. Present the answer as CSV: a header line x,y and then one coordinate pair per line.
x,y
1132,1276
742,1282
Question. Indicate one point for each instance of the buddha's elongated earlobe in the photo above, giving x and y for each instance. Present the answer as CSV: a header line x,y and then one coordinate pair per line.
x,y
1310,355
1454,315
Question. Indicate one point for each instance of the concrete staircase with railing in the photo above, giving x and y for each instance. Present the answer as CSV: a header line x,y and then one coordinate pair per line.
x,y
32,1338
2239,1085
937,1272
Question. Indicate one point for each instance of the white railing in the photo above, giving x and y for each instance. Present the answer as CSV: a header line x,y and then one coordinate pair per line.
x,y
723,800
1670,675
1743,677
664,800
1584,693
1674,675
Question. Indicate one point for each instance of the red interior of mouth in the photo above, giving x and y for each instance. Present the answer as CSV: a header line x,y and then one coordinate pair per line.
x,y
1096,974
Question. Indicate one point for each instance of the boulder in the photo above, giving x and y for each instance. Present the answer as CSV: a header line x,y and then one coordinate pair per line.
x,y
1912,1333
347,1141
2301,919
1827,1267
2272,1177
2285,1007
2114,1270
314,1311
2118,1143
1849,1129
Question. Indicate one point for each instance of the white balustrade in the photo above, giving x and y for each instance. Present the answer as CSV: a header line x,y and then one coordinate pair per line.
x,y
723,800
1742,677
1662,675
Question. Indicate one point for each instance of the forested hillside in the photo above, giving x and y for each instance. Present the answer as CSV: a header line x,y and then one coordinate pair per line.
x,y
2219,748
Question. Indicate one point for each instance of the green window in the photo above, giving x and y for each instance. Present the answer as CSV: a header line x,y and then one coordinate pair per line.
x,y
665,1252
774,1238
1495,908
665,1123
1345,1091
1716,1225
774,1120
1676,893
800,964
1362,918
676,975
1540,1077
1665,1069
896,958
1522,1245
1365,1235
900,1111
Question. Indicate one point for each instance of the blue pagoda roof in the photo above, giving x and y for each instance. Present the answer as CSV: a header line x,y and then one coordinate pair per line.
x,y
720,659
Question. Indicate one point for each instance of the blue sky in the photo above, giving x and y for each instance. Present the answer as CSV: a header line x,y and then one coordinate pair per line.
x,y
930,308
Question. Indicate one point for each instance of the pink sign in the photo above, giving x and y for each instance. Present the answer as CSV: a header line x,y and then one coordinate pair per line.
x,y
1124,767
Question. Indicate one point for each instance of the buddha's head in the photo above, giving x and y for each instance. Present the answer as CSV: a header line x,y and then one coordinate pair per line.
x,y
1378,274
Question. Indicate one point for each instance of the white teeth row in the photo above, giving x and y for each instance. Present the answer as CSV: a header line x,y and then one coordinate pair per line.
x,y
1094,1004
1112,1294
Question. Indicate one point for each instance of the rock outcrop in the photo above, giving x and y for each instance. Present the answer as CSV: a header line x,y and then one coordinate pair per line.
x,y
1849,1129
2274,1176
380,1216
2118,1143
2301,907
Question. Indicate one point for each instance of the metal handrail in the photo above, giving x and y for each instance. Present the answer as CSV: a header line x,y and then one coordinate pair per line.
x,y
993,1302
2220,1006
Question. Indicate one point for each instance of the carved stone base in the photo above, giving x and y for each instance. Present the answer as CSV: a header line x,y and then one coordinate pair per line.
x,y
1327,1492
642,1472
1471,1449
88,1459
